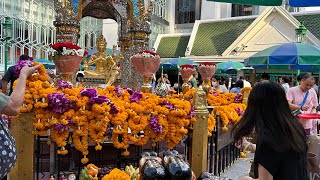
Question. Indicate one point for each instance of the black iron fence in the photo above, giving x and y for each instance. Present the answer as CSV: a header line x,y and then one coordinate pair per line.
x,y
221,154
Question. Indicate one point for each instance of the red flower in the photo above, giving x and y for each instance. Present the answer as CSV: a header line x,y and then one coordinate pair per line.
x,y
186,66
150,52
207,64
68,45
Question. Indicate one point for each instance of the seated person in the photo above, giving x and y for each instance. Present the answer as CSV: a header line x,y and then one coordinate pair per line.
x,y
237,87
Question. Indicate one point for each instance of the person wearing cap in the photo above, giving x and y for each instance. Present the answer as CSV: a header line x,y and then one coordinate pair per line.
x,y
10,76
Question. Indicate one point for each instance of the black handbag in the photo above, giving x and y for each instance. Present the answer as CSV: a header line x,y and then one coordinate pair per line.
x,y
298,111
8,153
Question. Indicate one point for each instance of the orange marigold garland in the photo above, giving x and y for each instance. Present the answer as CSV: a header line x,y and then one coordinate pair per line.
x,y
211,124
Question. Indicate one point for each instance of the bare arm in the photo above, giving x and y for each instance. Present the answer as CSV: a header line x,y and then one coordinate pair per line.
x,y
263,174
293,107
91,60
17,96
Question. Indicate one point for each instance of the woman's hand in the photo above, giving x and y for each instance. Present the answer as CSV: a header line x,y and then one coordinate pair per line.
x,y
27,71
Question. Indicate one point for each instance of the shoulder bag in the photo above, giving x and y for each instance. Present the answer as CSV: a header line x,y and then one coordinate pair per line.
x,y
298,111
8,154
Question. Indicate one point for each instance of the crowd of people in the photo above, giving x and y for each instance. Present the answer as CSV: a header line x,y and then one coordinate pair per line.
x,y
217,83
281,139
280,142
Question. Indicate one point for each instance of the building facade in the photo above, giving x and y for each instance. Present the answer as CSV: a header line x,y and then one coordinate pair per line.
x,y
237,38
186,12
32,28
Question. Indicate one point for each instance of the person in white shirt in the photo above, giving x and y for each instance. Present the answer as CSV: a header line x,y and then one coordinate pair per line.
x,y
217,86
245,82
284,81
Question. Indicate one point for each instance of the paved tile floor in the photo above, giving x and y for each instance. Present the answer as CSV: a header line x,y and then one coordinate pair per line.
x,y
239,169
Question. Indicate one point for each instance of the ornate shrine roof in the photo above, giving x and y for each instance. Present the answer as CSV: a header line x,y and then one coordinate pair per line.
x,y
213,37
173,46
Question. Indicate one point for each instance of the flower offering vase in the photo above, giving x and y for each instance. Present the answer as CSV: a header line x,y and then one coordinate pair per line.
x,y
186,73
206,72
146,67
67,66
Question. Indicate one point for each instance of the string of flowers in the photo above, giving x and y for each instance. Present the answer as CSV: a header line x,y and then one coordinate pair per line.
x,y
124,114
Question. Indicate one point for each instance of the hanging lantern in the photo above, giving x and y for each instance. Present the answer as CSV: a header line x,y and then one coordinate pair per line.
x,y
301,33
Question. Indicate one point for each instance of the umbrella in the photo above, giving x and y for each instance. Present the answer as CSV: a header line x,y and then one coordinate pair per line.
x,y
224,66
176,62
294,3
47,63
298,56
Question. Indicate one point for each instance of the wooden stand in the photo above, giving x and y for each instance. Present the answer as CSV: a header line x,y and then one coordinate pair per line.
x,y
21,129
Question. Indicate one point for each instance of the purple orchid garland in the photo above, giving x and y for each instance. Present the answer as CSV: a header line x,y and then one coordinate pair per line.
x,y
155,126
20,64
135,96
118,90
169,106
99,100
239,111
95,99
109,130
60,127
238,98
59,103
64,85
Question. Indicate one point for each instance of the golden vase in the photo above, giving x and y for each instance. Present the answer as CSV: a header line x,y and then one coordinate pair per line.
x,y
206,86
185,87
146,86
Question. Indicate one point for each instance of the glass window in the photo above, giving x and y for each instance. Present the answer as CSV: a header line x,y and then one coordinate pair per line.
x,y
241,10
185,11
160,9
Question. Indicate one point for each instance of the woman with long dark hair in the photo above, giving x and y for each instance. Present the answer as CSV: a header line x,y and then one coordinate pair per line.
x,y
281,151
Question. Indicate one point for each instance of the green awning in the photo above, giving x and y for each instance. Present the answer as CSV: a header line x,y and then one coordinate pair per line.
x,y
253,2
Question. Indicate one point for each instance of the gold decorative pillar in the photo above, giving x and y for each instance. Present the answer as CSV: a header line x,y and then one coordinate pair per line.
x,y
21,129
245,96
125,66
67,20
200,133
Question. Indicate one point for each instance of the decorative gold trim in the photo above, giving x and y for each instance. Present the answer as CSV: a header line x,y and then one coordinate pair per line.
x,y
131,13
80,10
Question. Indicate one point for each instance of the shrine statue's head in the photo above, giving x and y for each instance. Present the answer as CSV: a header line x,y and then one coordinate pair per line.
x,y
101,44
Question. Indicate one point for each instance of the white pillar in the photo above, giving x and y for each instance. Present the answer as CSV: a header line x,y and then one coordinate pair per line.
x,y
171,15
198,9
210,10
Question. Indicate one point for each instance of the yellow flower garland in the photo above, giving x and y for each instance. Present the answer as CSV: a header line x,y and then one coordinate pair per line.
x,y
116,174
91,122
